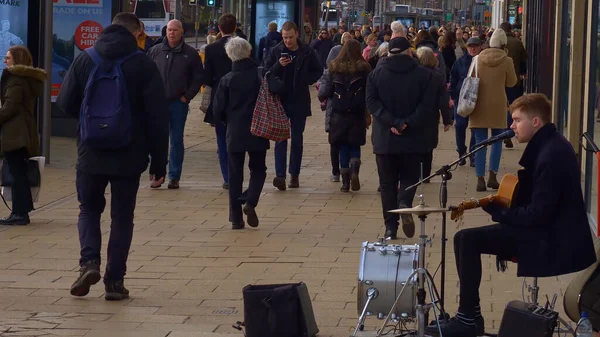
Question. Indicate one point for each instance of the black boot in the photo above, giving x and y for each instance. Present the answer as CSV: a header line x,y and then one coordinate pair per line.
x,y
463,162
391,234
354,171
89,274
345,180
15,220
115,290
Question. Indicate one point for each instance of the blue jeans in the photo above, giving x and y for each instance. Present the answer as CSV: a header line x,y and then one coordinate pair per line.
x,y
297,133
178,112
462,123
221,131
495,153
90,194
348,152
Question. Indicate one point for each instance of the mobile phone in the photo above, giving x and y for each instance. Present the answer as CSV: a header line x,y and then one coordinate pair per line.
x,y
285,55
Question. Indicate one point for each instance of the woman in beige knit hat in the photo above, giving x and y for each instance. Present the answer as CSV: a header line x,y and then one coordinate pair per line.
x,y
496,72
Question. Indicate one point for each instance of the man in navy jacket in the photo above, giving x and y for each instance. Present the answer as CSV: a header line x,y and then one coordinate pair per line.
x,y
546,227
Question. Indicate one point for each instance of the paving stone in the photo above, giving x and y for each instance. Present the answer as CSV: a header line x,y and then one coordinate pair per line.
x,y
187,267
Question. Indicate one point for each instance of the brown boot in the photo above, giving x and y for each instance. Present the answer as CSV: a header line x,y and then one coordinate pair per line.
x,y
173,184
481,184
492,181
294,182
279,183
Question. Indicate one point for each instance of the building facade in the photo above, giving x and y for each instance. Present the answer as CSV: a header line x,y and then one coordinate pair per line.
x,y
562,39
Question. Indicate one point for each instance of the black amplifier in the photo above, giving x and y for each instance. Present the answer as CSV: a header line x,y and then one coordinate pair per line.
x,y
522,319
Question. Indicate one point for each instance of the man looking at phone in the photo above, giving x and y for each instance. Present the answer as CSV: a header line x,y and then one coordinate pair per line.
x,y
297,66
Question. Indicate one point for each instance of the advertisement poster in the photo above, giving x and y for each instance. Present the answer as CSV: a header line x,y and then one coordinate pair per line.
x,y
13,26
268,11
77,25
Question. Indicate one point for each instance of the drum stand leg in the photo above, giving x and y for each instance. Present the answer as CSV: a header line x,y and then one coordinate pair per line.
x,y
372,293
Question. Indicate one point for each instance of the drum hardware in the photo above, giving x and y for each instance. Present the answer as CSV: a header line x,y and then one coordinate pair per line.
x,y
423,277
371,294
445,172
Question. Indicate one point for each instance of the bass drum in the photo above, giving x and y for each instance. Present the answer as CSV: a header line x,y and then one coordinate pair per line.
x,y
386,268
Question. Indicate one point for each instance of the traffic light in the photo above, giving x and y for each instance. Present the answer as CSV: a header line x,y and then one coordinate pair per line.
x,y
210,3
193,2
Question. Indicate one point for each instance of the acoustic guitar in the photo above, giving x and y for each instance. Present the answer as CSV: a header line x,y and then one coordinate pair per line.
x,y
506,193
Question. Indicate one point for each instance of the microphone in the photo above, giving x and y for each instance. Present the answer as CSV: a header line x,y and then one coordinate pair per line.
x,y
590,142
504,135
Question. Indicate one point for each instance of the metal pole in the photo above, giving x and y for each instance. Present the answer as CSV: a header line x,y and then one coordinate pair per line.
x,y
178,9
196,23
46,62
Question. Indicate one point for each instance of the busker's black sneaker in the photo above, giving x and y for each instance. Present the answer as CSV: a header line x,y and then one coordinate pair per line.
x,y
433,330
115,290
15,220
89,274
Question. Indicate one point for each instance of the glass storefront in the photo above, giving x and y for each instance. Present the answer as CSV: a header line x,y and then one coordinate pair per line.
x,y
565,68
242,9
13,27
592,122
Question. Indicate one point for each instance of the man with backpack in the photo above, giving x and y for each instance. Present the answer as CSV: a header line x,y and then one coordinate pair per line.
x,y
268,41
117,93
182,73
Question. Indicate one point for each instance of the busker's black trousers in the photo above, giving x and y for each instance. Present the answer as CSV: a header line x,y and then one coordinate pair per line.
x,y
469,245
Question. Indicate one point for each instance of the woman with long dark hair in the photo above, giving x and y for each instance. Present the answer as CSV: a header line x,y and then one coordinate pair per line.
x,y
20,84
345,86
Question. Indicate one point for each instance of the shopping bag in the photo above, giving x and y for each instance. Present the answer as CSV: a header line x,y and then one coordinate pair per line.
x,y
469,90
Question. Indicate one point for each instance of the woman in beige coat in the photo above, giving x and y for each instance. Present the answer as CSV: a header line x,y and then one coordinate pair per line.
x,y
496,71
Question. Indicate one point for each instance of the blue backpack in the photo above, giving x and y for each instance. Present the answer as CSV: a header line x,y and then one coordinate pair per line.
x,y
105,119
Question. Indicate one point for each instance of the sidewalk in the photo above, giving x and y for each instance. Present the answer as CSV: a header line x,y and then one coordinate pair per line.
x,y
187,267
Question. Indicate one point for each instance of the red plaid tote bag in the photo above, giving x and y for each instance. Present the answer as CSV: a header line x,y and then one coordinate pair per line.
x,y
269,119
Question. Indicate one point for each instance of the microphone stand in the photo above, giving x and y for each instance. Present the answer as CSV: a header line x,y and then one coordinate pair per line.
x,y
445,173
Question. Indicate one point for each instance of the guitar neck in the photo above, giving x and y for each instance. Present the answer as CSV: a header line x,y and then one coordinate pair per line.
x,y
472,204
459,210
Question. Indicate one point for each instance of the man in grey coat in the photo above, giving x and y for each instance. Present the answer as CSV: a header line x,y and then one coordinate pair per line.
x,y
182,73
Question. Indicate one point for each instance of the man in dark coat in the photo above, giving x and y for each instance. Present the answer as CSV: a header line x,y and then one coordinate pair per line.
x,y
295,72
217,65
546,227
121,167
233,105
267,42
322,46
403,103
181,69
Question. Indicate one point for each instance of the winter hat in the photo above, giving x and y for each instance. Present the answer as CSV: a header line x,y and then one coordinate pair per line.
x,y
498,39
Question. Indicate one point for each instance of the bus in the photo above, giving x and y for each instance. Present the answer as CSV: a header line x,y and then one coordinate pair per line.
x,y
155,14
335,16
